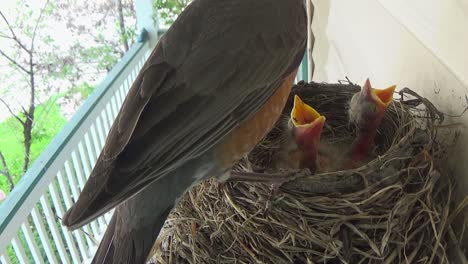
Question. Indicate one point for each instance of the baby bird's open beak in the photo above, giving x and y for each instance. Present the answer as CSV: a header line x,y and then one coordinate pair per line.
x,y
307,128
381,97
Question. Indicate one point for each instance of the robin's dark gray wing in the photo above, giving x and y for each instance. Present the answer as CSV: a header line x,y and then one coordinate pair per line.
x,y
216,66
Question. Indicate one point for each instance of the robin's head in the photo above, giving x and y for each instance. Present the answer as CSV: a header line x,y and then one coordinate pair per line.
x,y
307,125
369,105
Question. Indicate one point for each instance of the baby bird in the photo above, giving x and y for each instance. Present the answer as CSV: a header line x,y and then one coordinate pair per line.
x,y
302,138
367,109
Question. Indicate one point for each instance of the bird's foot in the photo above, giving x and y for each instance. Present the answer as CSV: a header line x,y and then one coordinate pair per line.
x,y
278,182
275,191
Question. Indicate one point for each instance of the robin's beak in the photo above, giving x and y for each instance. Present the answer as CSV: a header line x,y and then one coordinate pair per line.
x,y
381,97
307,126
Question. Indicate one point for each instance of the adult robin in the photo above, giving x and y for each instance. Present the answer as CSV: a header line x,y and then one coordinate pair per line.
x,y
215,84
366,111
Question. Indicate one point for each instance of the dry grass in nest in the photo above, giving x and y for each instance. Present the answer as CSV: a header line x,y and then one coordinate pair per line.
x,y
394,209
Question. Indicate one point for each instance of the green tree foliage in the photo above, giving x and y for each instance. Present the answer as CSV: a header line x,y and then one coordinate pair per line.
x,y
50,121
66,47
168,10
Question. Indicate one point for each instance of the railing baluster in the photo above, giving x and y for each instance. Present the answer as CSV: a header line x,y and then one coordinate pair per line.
x,y
75,193
51,222
28,235
68,203
115,106
41,230
140,63
122,92
109,215
97,150
136,71
118,103
4,259
91,153
19,250
90,150
105,122
86,159
143,61
126,85
110,114
118,96
100,132
133,74
60,211
94,137
85,162
124,88
81,178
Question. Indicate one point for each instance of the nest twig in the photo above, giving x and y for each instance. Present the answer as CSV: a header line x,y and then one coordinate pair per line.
x,y
394,209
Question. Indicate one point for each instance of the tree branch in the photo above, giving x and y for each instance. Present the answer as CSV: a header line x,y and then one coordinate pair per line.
x,y
5,36
15,38
11,112
14,62
6,171
122,25
24,109
37,23
8,24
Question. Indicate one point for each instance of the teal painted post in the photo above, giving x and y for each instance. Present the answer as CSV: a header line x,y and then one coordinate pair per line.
x,y
147,19
305,68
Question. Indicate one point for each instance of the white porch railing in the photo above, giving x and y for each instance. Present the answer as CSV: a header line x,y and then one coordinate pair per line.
x,y
30,226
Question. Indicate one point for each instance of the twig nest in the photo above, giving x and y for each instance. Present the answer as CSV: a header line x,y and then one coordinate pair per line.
x,y
393,209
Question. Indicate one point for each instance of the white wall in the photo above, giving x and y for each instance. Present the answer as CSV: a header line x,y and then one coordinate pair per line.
x,y
420,44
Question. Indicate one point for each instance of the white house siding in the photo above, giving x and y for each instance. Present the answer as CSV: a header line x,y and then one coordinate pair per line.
x,y
421,44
